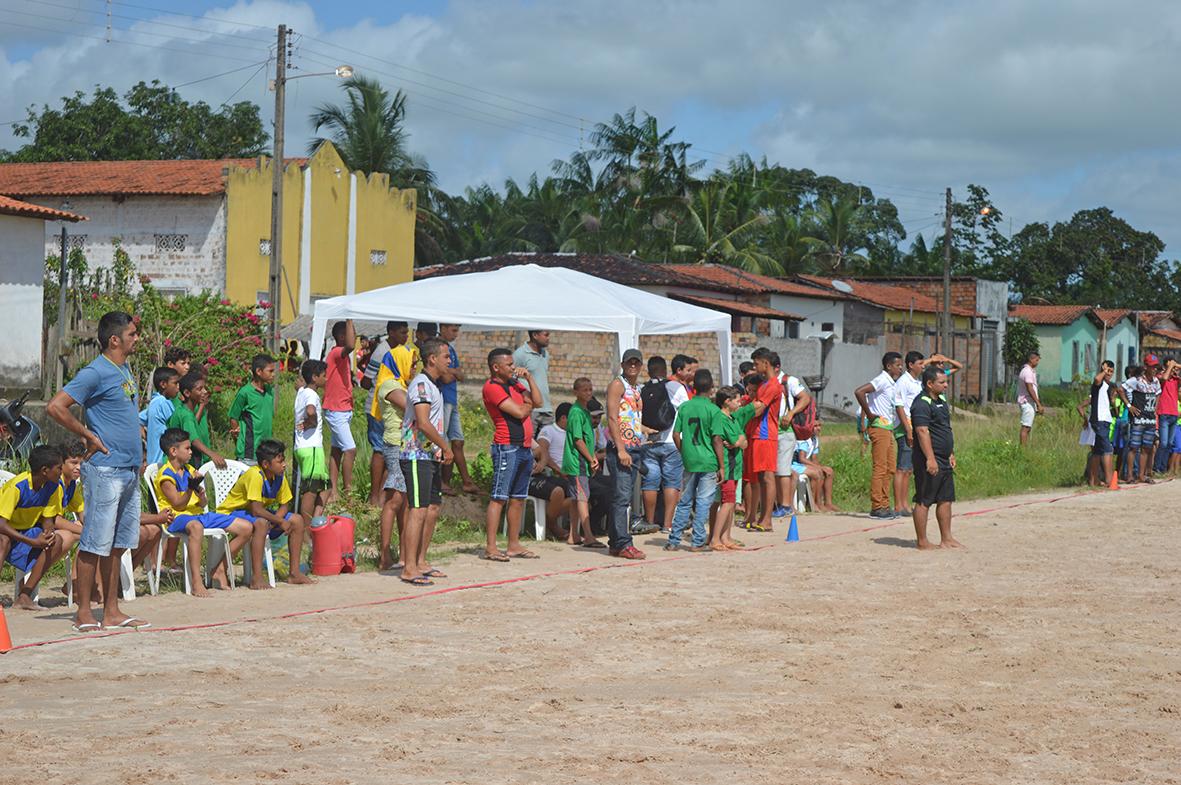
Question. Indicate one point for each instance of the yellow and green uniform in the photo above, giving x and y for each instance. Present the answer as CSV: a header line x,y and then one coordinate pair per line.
x,y
23,506
184,479
253,486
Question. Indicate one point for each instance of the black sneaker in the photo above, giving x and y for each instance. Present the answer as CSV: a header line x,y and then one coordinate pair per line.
x,y
882,514
641,526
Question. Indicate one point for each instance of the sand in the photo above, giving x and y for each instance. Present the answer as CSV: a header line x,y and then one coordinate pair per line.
x,y
1045,653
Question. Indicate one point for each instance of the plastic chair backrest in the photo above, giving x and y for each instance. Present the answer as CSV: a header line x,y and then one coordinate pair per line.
x,y
150,486
5,476
221,481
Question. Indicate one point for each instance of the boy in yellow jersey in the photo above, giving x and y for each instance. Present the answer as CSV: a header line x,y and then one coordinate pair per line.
x,y
181,496
262,496
29,503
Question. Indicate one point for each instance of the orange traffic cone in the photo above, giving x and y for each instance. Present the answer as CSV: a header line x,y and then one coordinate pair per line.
x,y
1114,484
5,639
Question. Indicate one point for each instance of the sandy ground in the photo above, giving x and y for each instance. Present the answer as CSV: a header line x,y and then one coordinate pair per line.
x,y
1046,653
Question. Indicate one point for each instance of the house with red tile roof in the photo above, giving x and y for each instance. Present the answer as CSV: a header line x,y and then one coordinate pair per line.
x,y
1160,333
22,273
205,225
1070,341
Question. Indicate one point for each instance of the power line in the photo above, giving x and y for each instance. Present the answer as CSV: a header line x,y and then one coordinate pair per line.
x,y
139,19
59,31
172,12
218,76
249,79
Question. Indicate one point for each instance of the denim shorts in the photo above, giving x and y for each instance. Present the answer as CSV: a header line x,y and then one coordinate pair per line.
x,y
511,468
905,460
111,497
374,432
1141,436
341,428
394,479
1102,432
452,423
665,467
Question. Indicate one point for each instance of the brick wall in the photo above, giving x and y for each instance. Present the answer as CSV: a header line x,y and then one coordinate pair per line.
x,y
574,354
135,221
963,293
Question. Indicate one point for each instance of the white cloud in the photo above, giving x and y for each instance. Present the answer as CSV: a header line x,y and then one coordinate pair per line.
x,y
1055,106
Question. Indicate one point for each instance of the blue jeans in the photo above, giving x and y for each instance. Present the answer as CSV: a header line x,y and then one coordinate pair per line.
x,y
111,498
511,467
697,495
619,533
1167,423
665,468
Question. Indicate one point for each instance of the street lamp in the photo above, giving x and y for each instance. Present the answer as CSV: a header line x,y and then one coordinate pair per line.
x,y
279,85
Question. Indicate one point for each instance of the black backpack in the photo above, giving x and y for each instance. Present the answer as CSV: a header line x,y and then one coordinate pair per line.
x,y
658,413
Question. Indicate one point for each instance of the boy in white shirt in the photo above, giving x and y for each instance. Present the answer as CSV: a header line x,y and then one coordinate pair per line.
x,y
309,440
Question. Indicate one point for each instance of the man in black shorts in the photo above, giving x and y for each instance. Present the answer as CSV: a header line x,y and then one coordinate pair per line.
x,y
934,481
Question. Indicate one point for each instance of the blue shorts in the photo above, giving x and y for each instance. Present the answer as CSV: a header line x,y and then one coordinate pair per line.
x,y
112,499
275,532
1142,436
1102,444
22,555
452,422
511,468
1177,438
208,520
905,460
665,467
374,432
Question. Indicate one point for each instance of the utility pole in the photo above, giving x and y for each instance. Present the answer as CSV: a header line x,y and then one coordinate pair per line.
x,y
945,339
62,280
274,291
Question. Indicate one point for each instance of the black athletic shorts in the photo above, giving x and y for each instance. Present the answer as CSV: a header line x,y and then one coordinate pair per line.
x,y
930,489
541,486
424,482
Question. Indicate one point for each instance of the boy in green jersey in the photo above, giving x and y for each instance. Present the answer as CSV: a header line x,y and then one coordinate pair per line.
x,y
730,431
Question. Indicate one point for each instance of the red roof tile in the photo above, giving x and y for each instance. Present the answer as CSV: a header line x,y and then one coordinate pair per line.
x,y
738,307
1150,318
87,178
10,206
1051,314
1111,316
627,270
894,298
1172,335
733,279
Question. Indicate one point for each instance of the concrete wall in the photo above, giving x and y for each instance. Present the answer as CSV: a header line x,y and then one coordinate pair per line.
x,y
848,366
864,323
135,221
22,270
248,220
816,312
1083,335
1120,339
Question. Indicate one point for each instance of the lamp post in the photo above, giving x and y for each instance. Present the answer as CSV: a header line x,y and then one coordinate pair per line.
x,y
279,85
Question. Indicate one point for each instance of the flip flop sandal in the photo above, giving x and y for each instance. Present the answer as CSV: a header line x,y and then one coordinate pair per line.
x,y
494,556
595,544
524,555
735,546
754,527
718,547
418,580
85,628
433,573
131,623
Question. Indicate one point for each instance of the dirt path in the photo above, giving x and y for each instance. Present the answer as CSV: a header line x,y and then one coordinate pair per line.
x,y
1046,653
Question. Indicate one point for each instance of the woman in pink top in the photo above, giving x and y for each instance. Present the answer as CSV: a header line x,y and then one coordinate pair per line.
x,y
1166,417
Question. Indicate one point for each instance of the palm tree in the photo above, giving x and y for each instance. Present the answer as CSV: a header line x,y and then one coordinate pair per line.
x,y
702,229
368,131
834,238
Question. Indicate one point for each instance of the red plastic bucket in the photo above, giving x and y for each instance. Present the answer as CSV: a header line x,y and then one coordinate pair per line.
x,y
325,549
346,536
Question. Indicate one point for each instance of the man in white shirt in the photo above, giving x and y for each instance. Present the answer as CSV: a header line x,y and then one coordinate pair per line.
x,y
877,397
1027,395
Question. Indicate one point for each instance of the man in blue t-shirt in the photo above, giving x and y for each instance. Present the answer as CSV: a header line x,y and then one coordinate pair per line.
x,y
107,391
450,391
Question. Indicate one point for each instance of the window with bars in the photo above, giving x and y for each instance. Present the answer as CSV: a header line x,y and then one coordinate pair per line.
x,y
76,242
264,246
171,243
377,257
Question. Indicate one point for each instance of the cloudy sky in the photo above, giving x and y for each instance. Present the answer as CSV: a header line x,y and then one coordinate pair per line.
x,y
1054,106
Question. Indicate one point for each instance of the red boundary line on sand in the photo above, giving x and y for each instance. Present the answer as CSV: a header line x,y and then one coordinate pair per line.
x,y
491,584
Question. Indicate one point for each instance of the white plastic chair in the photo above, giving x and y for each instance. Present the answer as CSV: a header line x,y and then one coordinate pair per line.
x,y
213,534
803,495
539,506
218,484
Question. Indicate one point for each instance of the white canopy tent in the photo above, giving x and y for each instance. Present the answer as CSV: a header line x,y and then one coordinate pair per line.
x,y
528,297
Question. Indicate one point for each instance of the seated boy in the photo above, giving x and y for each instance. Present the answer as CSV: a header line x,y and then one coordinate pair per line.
x,y
181,497
29,505
819,476
262,496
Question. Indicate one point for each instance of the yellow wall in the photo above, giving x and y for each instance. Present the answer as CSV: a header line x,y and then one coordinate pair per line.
x,y
926,319
385,220
248,219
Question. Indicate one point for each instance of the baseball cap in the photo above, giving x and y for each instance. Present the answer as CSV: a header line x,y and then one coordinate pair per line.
x,y
632,354
594,408
1151,359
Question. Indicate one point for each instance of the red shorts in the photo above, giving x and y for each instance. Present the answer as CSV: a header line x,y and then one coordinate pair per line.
x,y
764,455
728,488
748,474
